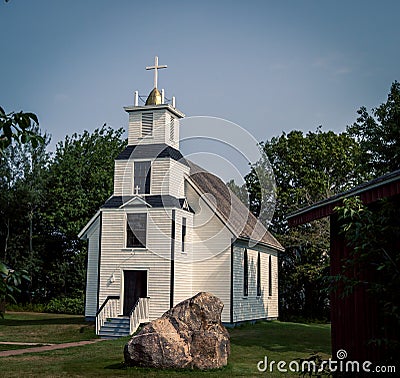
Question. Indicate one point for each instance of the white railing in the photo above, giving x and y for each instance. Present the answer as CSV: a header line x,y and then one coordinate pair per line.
x,y
109,309
139,314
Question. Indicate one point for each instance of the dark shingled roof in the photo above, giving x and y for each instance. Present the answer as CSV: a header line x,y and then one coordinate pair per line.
x,y
150,151
153,200
231,209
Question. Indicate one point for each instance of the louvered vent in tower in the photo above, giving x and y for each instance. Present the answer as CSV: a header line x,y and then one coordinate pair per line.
x,y
147,124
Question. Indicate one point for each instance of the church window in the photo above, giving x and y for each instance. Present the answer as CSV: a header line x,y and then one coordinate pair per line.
x,y
147,124
270,276
258,274
141,179
172,129
245,274
136,230
183,234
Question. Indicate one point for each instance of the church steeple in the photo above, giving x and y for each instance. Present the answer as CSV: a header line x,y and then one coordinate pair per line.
x,y
157,122
155,97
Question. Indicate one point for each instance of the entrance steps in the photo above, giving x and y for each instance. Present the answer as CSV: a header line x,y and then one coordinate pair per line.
x,y
114,328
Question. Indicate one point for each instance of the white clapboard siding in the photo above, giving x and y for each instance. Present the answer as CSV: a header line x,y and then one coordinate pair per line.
x,y
253,306
115,258
92,269
160,176
123,177
211,252
183,260
161,128
134,128
172,130
176,178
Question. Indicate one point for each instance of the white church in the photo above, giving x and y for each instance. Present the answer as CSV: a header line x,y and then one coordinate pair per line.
x,y
170,230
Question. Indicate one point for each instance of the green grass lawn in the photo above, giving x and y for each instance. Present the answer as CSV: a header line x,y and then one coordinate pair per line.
x,y
32,327
249,344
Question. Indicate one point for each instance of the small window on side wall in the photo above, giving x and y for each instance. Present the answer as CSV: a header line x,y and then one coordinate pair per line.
x,y
183,234
136,230
245,274
258,274
270,276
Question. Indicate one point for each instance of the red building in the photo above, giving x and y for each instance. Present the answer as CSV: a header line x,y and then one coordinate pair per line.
x,y
356,318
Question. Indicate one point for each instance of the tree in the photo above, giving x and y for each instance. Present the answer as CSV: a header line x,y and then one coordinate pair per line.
x,y
80,179
373,235
379,135
23,187
21,128
307,168
18,127
10,280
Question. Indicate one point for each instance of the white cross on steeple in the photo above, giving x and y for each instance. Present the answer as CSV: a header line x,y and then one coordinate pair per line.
x,y
137,188
156,67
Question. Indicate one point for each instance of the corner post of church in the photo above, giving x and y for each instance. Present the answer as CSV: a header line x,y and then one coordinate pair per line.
x,y
172,275
231,291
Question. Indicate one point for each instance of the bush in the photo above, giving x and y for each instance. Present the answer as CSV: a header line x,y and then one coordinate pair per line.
x,y
27,307
66,305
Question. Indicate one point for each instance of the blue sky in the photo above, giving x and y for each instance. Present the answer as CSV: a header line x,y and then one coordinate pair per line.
x,y
269,66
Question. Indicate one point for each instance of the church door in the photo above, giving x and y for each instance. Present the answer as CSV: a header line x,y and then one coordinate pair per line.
x,y
135,287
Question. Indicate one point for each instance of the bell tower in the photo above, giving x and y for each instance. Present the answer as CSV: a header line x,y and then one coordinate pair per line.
x,y
157,121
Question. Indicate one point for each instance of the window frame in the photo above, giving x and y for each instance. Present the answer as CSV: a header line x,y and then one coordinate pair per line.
x,y
245,274
183,234
270,276
259,291
147,178
128,230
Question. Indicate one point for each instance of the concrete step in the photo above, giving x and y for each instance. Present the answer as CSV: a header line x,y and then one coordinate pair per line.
x,y
114,328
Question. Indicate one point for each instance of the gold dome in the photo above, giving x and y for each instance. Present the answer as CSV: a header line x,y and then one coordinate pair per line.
x,y
154,97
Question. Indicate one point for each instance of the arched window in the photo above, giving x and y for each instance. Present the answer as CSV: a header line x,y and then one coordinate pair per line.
x,y
270,276
245,274
258,274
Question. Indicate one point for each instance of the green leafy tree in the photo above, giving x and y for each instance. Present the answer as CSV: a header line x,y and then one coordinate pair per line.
x,y
80,179
378,134
373,264
21,128
10,280
23,186
308,168
18,127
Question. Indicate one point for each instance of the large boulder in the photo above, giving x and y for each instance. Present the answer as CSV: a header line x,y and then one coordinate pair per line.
x,y
189,335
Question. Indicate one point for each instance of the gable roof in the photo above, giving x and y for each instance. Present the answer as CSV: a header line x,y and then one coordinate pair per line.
x,y
231,209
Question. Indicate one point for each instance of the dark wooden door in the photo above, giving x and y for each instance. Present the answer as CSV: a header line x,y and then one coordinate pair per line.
x,y
135,287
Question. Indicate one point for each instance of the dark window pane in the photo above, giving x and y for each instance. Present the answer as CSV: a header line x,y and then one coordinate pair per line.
x,y
270,276
258,274
183,234
136,230
245,274
142,177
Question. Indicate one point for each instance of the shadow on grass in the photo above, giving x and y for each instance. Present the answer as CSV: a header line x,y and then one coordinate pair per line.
x,y
283,337
118,366
51,321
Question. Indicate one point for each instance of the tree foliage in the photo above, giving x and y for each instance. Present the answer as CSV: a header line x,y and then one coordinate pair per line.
x,y
374,262
44,202
18,127
308,168
378,134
